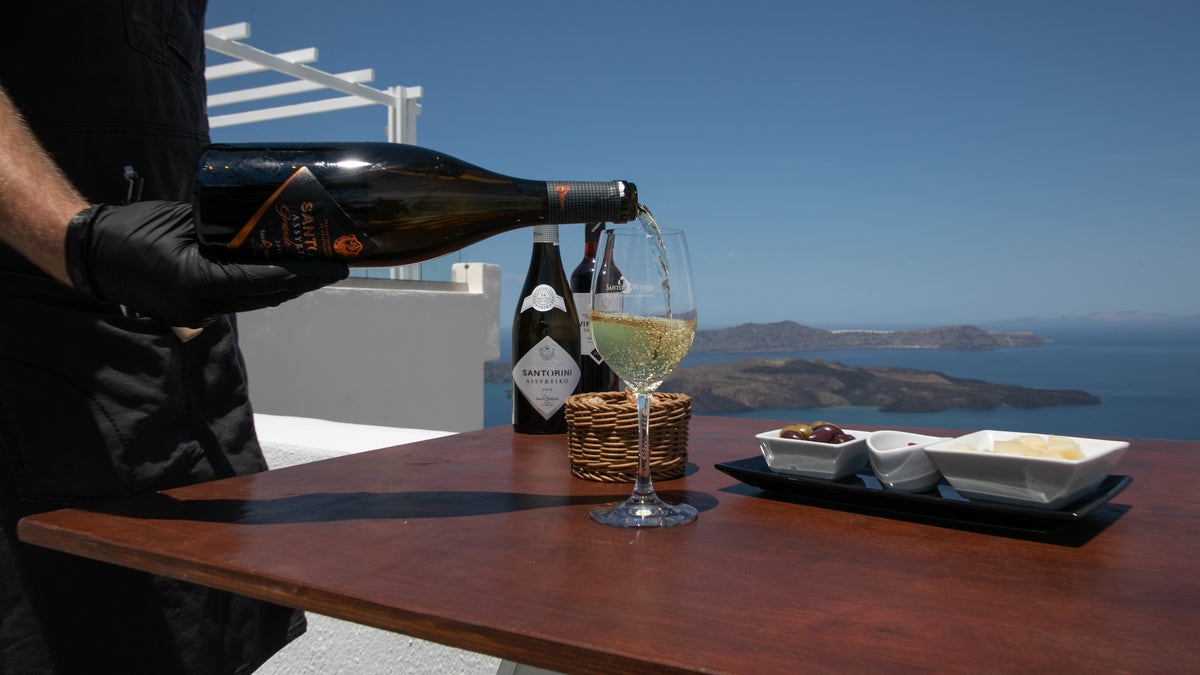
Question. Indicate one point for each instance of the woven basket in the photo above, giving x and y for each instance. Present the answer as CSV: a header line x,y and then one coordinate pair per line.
x,y
602,435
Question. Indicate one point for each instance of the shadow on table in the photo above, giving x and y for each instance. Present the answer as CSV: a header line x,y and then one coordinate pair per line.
x,y
327,506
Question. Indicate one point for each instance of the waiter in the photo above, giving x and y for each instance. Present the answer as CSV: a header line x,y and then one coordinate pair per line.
x,y
102,119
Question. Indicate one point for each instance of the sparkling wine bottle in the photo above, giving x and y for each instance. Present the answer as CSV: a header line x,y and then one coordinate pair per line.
x,y
545,341
376,204
595,375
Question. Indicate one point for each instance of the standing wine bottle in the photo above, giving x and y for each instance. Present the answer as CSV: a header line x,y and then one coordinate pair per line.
x,y
545,341
594,375
376,204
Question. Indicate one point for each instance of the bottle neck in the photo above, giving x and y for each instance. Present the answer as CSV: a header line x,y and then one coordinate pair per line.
x,y
591,239
586,202
545,234
608,257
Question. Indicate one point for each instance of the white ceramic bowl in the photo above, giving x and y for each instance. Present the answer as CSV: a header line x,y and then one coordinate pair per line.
x,y
1042,482
830,461
899,461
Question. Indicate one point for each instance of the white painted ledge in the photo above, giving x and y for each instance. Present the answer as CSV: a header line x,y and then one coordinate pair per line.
x,y
290,440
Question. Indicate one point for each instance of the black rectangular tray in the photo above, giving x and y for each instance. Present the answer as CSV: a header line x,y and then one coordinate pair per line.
x,y
864,491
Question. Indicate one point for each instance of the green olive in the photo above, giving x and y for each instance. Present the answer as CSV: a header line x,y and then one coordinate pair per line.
x,y
796,431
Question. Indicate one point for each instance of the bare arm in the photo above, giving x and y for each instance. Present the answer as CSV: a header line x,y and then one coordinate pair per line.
x,y
143,256
36,199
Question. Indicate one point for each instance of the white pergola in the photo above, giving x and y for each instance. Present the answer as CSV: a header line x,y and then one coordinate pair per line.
x,y
401,102
347,91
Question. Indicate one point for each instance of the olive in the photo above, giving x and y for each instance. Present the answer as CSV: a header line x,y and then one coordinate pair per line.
x,y
817,432
797,431
822,434
828,425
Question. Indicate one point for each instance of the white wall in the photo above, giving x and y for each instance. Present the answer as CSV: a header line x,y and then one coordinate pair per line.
x,y
379,351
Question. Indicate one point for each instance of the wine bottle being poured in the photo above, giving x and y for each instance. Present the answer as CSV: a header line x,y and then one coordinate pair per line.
x,y
376,204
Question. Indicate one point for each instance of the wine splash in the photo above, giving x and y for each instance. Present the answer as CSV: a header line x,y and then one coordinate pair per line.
x,y
650,227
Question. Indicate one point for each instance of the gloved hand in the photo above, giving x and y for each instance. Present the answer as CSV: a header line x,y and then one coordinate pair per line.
x,y
145,256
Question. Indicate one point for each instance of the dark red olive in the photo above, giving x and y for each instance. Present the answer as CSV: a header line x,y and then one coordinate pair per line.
x,y
833,428
842,438
822,434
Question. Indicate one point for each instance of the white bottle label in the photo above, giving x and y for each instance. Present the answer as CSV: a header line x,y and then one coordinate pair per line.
x,y
546,375
587,348
544,298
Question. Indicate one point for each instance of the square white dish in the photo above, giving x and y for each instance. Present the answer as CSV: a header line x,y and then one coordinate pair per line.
x,y
830,461
899,461
1042,482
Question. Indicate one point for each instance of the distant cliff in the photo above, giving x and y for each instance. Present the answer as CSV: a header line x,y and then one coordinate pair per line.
x,y
789,336
752,384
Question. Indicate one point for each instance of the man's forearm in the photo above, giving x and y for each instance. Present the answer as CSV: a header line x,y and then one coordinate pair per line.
x,y
36,199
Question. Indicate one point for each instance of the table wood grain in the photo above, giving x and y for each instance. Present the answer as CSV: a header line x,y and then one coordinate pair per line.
x,y
482,541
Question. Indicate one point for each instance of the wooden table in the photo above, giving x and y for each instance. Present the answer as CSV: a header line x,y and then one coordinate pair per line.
x,y
482,541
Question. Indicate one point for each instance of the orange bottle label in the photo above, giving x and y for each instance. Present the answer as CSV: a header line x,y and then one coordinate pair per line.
x,y
301,220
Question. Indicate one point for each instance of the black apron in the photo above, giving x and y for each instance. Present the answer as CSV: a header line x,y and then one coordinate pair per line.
x,y
94,404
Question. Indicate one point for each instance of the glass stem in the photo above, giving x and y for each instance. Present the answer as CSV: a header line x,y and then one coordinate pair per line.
x,y
643,488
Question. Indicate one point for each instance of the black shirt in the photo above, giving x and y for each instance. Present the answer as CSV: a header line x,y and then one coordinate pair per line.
x,y
96,405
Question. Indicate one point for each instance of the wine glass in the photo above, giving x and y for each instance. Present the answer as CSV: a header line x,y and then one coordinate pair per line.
x,y
642,340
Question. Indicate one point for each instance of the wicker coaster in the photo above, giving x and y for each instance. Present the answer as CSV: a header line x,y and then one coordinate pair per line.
x,y
602,435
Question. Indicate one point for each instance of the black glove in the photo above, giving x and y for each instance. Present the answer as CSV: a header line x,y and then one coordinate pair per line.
x,y
145,256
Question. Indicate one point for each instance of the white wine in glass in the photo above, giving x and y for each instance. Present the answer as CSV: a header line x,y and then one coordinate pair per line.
x,y
643,342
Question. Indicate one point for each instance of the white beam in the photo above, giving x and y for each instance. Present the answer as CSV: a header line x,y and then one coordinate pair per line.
x,y
247,66
402,114
247,53
234,31
285,111
284,89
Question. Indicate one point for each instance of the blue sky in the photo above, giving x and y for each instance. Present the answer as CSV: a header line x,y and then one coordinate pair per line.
x,y
839,164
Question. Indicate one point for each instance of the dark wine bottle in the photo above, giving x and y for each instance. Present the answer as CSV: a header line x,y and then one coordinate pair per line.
x,y
545,341
594,373
376,204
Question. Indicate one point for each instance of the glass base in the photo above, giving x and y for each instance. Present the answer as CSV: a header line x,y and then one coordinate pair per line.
x,y
644,512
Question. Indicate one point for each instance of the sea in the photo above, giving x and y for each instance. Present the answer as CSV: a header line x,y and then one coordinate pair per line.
x,y
1146,376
